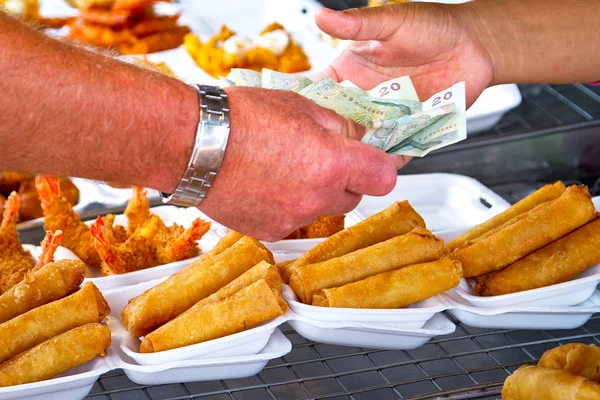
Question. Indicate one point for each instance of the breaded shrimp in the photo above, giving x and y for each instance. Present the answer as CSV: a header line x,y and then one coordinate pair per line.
x,y
136,253
49,244
114,233
138,209
176,244
59,215
15,262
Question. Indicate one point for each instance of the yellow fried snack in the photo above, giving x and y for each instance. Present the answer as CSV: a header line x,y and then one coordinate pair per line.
x,y
557,262
51,282
56,355
576,358
394,289
398,219
545,194
527,232
245,309
26,330
160,304
537,383
415,247
323,227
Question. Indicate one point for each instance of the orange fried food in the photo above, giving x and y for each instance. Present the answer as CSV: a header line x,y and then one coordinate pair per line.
x,y
59,215
138,209
15,262
49,244
136,253
321,228
114,233
176,244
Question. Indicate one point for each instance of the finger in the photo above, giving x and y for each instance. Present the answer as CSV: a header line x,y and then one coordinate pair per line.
x,y
371,23
344,204
339,125
401,161
370,170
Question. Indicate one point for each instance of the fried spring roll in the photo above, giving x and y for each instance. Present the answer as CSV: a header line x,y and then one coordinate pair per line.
x,y
557,262
527,233
51,282
243,310
262,270
56,355
576,358
415,247
230,238
394,289
398,219
282,266
162,303
537,383
27,330
542,195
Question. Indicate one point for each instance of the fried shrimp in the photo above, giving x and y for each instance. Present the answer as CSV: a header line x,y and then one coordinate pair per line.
x,y
138,209
59,215
136,253
15,262
175,243
49,244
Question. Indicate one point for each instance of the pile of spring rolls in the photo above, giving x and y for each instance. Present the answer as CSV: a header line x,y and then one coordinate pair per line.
x,y
48,324
569,372
389,260
547,238
233,287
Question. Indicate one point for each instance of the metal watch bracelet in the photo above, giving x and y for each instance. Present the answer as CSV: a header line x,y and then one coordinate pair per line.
x,y
209,148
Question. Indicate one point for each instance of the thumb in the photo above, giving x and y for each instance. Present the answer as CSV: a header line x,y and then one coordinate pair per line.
x,y
371,23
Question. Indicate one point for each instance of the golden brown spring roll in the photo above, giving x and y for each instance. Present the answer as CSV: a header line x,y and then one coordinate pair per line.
x,y
394,289
557,262
527,233
262,270
243,310
230,238
576,358
282,267
51,282
415,247
537,383
162,303
56,355
398,219
27,330
544,194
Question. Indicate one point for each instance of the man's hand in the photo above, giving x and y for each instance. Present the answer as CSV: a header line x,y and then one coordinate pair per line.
x,y
289,161
427,41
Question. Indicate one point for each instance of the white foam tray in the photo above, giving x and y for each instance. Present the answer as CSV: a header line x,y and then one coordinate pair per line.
x,y
169,215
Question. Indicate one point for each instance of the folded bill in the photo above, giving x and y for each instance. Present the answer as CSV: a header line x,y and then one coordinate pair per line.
x,y
397,121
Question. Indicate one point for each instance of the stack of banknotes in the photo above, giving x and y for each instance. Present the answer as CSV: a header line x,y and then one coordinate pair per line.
x,y
396,120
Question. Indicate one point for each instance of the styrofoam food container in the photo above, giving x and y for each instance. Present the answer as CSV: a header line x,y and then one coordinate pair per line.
x,y
250,341
169,215
196,370
73,384
411,317
370,335
523,317
490,107
445,201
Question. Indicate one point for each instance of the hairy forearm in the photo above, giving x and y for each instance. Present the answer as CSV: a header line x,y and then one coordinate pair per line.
x,y
551,41
70,112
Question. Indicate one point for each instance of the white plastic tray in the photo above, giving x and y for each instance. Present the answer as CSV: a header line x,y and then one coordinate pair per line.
x,y
491,106
244,343
520,317
412,317
371,335
169,215
201,369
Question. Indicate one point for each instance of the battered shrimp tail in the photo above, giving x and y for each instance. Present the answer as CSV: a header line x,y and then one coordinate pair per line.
x,y
185,246
138,209
11,214
48,188
101,242
49,244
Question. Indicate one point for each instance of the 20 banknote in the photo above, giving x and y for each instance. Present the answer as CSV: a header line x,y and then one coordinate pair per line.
x,y
396,120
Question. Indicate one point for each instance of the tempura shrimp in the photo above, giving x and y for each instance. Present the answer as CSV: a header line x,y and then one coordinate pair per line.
x,y
135,253
59,215
176,244
49,244
15,262
138,209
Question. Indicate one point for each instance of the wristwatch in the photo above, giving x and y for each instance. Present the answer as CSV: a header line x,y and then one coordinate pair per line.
x,y
209,148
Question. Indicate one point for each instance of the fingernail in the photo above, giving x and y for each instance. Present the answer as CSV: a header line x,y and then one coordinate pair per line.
x,y
328,10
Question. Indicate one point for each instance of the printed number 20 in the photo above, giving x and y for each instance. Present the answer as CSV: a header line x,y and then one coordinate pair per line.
x,y
438,100
384,91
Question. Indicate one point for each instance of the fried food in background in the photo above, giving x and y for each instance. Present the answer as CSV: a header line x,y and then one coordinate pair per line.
x,y
323,227
375,3
29,11
147,242
576,358
274,49
129,26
